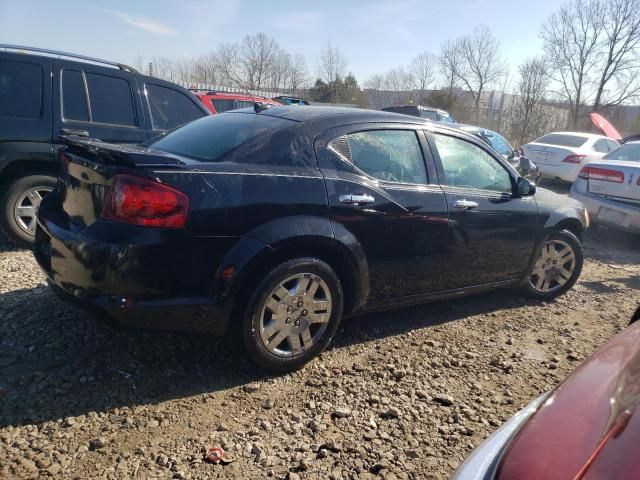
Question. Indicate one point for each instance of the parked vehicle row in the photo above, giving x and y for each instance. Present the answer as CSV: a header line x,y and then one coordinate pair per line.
x,y
280,221
44,94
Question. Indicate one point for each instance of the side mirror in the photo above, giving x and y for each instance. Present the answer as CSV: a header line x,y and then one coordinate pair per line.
x,y
525,188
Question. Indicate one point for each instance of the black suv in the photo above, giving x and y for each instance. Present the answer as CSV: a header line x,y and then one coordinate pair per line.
x,y
272,223
45,94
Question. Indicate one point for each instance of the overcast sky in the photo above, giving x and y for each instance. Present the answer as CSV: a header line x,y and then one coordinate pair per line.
x,y
374,35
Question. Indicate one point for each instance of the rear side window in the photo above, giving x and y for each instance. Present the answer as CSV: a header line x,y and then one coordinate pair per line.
x,y
111,100
390,155
170,108
74,96
223,105
233,137
20,89
562,140
601,146
429,114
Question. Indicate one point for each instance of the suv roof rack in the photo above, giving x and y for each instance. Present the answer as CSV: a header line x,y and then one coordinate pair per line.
x,y
21,48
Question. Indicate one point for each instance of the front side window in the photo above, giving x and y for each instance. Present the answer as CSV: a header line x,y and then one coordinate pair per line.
x,y
170,108
390,155
429,114
20,89
612,145
468,166
601,146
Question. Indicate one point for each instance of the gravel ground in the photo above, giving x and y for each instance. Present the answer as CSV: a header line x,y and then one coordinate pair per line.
x,y
403,394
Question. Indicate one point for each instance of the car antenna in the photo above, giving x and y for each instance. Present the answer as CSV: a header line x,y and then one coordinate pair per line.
x,y
257,106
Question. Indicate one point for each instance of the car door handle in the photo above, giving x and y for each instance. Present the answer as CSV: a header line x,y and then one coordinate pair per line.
x,y
73,131
465,204
356,199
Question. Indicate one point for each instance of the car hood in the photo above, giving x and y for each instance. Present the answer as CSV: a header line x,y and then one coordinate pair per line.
x,y
589,427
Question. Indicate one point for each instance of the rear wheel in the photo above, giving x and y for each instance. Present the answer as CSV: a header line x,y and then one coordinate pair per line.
x,y
293,314
557,266
20,206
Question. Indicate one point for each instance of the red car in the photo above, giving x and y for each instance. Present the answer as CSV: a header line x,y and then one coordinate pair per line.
x,y
218,102
587,428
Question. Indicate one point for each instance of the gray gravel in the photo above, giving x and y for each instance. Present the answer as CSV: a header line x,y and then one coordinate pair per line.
x,y
404,394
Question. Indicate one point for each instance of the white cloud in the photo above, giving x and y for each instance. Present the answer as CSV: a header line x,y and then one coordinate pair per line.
x,y
143,23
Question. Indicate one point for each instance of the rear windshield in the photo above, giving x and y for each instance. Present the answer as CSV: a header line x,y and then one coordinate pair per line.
x,y
629,151
211,138
562,140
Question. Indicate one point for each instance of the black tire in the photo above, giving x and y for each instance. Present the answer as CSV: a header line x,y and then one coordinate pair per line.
x,y
569,239
251,320
12,191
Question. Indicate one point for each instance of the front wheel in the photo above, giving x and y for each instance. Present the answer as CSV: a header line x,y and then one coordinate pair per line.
x,y
293,314
557,266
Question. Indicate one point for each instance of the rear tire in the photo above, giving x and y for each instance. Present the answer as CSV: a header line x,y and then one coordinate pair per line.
x,y
292,314
556,268
20,203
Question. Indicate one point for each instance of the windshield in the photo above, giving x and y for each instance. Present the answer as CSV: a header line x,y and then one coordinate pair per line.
x,y
499,143
562,140
210,138
628,152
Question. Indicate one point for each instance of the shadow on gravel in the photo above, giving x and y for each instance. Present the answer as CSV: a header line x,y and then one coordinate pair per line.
x,y
57,361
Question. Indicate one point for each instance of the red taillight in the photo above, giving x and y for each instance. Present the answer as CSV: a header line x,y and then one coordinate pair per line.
x,y
602,174
574,159
140,201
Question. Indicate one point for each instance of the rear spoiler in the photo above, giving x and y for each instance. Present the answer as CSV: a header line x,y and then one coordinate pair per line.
x,y
117,154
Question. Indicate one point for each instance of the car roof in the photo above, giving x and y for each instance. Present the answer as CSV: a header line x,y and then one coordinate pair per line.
x,y
356,114
577,134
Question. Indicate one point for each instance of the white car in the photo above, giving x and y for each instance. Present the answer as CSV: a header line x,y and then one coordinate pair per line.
x,y
560,155
610,188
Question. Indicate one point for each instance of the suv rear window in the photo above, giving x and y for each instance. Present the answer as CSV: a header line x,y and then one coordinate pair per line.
x,y
170,108
223,105
562,140
211,138
20,89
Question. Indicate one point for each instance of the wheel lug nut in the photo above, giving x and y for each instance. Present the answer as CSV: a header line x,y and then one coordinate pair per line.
x,y
289,308
288,320
299,304
297,324
304,313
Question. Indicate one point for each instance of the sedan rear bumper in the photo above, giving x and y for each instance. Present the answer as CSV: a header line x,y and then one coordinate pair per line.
x,y
145,278
608,212
567,172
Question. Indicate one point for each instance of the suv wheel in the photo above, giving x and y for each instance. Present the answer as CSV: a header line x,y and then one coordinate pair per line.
x,y
293,314
20,206
557,266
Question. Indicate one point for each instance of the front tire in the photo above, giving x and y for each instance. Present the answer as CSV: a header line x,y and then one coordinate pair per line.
x,y
557,266
20,204
292,315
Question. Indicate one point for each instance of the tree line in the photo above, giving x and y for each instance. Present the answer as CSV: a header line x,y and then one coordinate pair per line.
x,y
590,62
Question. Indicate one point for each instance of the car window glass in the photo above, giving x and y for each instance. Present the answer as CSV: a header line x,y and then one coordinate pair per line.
x,y
563,140
601,146
230,137
467,165
627,152
612,145
244,104
20,89
500,144
74,96
390,155
223,105
110,99
429,114
170,108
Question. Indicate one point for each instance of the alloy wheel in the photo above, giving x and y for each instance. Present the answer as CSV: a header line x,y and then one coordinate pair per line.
x,y
295,315
554,267
25,210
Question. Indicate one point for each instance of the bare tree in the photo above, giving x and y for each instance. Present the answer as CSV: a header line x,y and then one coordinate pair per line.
x,y
376,84
621,39
571,39
423,68
399,82
259,53
332,66
450,63
530,90
481,65
297,74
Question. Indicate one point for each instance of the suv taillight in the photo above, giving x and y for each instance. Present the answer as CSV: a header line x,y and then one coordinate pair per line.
x,y
602,174
574,159
144,202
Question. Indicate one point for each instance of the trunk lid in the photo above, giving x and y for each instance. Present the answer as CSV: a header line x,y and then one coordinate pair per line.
x,y
615,180
546,154
87,167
